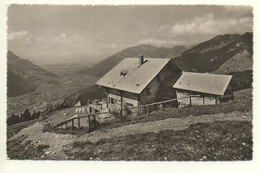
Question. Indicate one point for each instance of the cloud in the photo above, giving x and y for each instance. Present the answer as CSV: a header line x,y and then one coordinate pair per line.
x,y
207,24
18,35
61,44
161,43
27,37
64,38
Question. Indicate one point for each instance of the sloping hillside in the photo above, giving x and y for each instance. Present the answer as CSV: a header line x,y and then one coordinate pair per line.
x,y
239,62
23,76
211,55
18,84
207,56
149,51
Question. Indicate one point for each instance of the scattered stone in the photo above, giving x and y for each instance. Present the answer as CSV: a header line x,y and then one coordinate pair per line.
x,y
203,158
243,143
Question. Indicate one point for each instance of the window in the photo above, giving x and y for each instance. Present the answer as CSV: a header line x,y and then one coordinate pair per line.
x,y
123,72
112,101
129,105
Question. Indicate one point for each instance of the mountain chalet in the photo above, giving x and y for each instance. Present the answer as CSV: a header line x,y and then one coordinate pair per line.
x,y
204,88
140,81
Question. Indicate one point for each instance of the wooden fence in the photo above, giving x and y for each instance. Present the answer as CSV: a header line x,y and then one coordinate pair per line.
x,y
76,122
148,108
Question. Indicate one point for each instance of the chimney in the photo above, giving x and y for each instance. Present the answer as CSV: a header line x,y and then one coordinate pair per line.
x,y
141,60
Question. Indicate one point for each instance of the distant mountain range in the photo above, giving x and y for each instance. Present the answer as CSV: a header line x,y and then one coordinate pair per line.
x,y
221,54
83,59
148,50
23,76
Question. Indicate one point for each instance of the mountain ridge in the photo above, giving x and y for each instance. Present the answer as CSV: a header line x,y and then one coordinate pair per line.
x,y
146,49
208,56
23,76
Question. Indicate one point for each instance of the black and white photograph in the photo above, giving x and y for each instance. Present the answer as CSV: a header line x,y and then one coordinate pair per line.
x,y
163,83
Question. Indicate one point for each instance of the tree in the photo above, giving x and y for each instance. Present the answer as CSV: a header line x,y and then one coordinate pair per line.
x,y
26,116
35,114
13,119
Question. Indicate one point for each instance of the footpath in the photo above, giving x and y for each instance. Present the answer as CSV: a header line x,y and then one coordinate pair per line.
x,y
57,142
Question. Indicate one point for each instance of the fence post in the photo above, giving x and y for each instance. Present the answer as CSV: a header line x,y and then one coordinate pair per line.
x,y
190,101
216,100
203,100
121,111
148,110
89,121
79,122
121,115
72,123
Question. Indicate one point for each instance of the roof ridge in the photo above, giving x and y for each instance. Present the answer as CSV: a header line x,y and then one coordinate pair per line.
x,y
137,78
206,73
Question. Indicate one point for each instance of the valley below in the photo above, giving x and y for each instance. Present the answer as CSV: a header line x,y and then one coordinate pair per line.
x,y
50,93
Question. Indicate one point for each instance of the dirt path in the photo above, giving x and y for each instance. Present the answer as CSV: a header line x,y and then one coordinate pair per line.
x,y
58,141
167,124
55,141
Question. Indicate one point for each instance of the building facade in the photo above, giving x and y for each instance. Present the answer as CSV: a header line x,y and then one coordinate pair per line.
x,y
139,81
203,88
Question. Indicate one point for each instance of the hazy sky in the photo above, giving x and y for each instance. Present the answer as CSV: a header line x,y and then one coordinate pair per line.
x,y
59,30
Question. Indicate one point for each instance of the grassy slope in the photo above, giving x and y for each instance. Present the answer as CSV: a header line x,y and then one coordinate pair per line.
x,y
210,55
223,141
14,129
18,85
240,62
242,103
205,141
24,76
16,149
